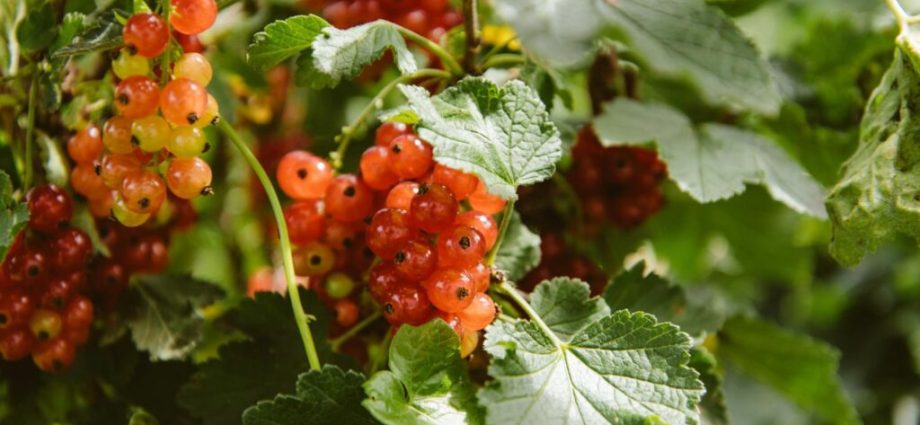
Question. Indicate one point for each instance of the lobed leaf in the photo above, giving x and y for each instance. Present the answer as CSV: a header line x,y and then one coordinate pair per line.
x,y
342,54
520,250
283,39
14,216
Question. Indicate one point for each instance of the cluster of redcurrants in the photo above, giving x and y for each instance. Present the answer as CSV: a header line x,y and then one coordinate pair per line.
x,y
45,310
430,18
147,152
619,184
405,209
559,259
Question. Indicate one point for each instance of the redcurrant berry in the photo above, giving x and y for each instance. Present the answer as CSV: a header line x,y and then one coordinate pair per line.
x,y
54,356
303,175
479,313
348,199
192,16
375,169
50,208
460,184
460,247
483,223
304,221
143,192
415,260
188,178
450,290
389,131
313,259
85,146
136,97
401,195
147,34
183,101
16,344
410,156
406,304
382,280
433,208
483,201
70,249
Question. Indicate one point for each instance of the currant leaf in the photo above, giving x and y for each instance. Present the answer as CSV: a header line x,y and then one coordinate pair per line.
x,y
503,134
284,39
164,314
876,196
717,161
800,368
330,395
14,216
520,250
595,367
427,382
342,54
104,33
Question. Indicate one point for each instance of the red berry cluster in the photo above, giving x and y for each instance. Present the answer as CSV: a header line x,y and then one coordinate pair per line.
x,y
45,310
558,259
130,179
431,18
617,183
405,209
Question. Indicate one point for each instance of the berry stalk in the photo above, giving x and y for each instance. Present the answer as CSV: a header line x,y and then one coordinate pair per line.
x,y
471,28
502,230
335,344
518,299
300,316
449,62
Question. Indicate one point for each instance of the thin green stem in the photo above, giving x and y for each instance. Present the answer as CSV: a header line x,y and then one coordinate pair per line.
x,y
446,58
345,138
525,306
502,230
30,132
471,28
503,59
356,329
300,316
900,15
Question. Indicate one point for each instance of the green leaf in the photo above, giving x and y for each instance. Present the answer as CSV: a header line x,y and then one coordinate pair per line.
x,y
55,162
72,24
802,369
715,164
164,314
258,369
427,382
520,250
13,215
342,54
283,39
676,38
329,396
712,407
12,13
877,195
502,134
618,368
39,28
103,34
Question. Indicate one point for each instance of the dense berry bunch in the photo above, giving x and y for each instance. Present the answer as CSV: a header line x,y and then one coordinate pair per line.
x,y
151,147
618,183
431,18
405,210
559,259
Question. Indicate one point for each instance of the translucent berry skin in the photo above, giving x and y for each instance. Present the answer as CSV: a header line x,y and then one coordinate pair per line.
x,y
415,260
183,101
147,254
346,312
191,17
85,146
450,290
479,314
152,133
143,192
193,66
483,201
50,208
16,344
189,43
29,266
129,64
137,97
460,184
314,259
400,196
114,168
303,175
70,249
45,324
54,356
410,157
375,168
57,293
407,304
389,131
211,114
460,247
187,142
343,236
101,206
127,217
304,222
189,178
116,135
388,230
16,308
382,280
348,199
433,209
339,285
451,319
79,312
481,275
484,223
147,34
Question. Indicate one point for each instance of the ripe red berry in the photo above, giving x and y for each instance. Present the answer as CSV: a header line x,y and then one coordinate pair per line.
x,y
481,275
382,280
483,201
45,324
406,304
192,16
415,260
147,253
460,184
401,195
110,277
147,34
388,231
79,312
189,178
389,131
143,192
16,344
85,181
450,290
16,308
50,208
484,223
348,199
479,313
115,168
433,208
375,170
29,266
451,319
346,312
70,249
183,101
189,43
460,247
86,145
54,356
136,97
303,175
410,156
314,259
343,236
304,221
57,293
